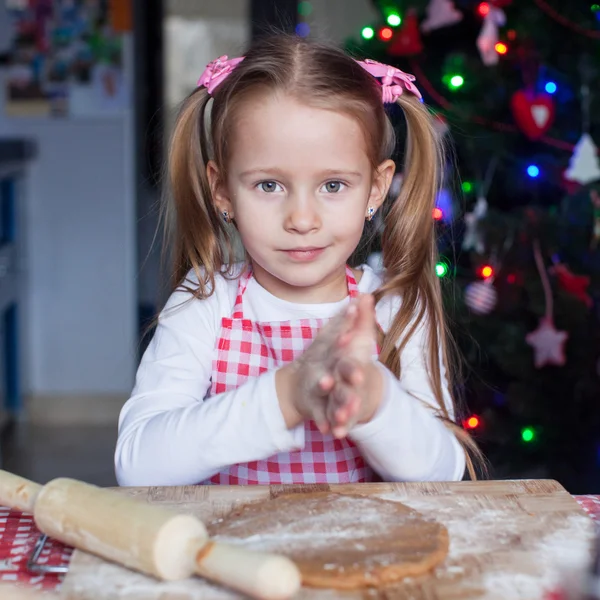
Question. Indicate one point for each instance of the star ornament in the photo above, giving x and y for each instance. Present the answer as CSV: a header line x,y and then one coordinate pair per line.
x,y
548,344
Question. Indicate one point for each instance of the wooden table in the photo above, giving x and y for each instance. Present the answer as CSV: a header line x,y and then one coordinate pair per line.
x,y
508,540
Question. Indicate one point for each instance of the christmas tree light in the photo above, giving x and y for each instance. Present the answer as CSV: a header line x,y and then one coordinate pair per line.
x,y
528,434
441,269
305,8
501,48
454,82
437,214
303,29
486,271
551,87
472,422
533,171
467,187
394,20
385,34
368,33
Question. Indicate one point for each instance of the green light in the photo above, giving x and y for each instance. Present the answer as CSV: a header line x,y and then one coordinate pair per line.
x,y
394,20
305,8
441,269
456,81
368,33
528,434
595,7
467,187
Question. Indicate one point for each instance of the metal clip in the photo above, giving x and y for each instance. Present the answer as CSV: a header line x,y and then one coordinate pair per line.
x,y
34,567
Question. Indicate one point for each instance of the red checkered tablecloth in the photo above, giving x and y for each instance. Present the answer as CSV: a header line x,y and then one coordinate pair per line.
x,y
18,536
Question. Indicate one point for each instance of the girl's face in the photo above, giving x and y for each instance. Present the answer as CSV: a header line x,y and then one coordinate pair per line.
x,y
299,184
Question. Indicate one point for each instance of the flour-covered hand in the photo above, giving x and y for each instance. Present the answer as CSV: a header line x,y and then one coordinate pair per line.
x,y
311,376
357,382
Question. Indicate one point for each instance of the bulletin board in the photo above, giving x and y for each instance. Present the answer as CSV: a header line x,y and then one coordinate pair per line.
x,y
66,58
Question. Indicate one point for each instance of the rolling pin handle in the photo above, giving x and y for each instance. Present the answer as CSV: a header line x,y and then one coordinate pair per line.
x,y
256,574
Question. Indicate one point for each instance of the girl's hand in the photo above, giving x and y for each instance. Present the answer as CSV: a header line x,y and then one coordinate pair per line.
x,y
304,386
356,385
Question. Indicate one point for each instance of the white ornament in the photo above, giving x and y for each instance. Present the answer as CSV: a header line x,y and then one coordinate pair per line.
x,y
473,239
441,13
481,297
584,166
548,344
488,36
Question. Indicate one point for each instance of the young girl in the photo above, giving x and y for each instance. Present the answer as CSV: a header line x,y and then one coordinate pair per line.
x,y
292,367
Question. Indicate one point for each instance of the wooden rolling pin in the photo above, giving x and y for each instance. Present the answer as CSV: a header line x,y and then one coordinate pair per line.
x,y
147,538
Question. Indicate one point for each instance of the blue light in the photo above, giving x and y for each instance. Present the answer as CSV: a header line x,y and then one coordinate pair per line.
x,y
303,29
551,87
533,171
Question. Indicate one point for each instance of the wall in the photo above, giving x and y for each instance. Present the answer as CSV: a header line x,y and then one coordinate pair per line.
x,y
338,20
80,258
4,28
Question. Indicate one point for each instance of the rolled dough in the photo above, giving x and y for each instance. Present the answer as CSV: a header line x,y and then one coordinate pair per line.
x,y
339,541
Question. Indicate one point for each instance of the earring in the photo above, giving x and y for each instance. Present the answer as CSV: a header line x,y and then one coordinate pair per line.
x,y
226,216
370,213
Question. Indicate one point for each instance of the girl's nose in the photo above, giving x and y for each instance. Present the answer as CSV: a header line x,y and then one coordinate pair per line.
x,y
302,215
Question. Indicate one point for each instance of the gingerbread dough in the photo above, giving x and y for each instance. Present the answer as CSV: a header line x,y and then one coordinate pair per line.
x,y
339,541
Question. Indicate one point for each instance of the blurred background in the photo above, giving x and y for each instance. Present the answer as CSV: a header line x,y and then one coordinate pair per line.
x,y
88,94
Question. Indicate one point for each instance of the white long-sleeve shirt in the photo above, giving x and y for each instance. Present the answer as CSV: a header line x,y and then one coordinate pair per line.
x,y
171,434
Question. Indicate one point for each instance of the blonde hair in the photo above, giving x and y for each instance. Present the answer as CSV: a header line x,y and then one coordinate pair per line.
x,y
321,76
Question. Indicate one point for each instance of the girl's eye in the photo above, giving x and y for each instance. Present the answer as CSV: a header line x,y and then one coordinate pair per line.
x,y
269,187
333,187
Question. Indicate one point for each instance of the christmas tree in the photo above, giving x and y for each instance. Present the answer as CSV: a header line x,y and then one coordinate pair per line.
x,y
516,85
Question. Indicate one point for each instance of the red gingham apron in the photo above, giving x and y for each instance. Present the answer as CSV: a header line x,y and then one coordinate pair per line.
x,y
246,349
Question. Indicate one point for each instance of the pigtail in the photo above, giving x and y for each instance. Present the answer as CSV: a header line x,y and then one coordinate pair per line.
x,y
409,257
198,239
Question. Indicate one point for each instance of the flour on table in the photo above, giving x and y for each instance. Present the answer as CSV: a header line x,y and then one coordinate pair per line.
x,y
498,551
560,551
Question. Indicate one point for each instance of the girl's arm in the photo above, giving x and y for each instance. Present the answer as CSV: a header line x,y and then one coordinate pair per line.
x,y
168,434
405,441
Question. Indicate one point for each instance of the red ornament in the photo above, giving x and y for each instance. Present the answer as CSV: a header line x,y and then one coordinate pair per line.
x,y
407,41
534,114
576,285
483,9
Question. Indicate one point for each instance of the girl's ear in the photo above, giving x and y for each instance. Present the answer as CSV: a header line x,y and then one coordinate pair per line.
x,y
218,190
381,183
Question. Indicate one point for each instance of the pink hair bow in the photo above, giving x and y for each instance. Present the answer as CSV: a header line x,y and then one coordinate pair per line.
x,y
393,80
217,71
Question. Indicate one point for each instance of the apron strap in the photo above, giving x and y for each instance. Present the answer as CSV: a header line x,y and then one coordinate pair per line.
x,y
238,308
351,281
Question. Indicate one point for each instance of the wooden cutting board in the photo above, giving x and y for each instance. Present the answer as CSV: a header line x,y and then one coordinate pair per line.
x,y
508,541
